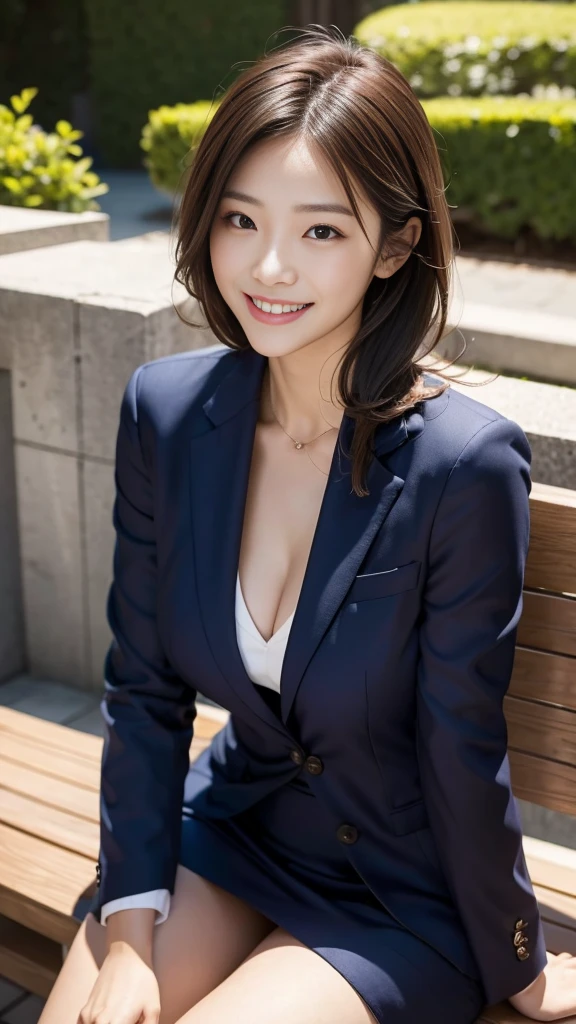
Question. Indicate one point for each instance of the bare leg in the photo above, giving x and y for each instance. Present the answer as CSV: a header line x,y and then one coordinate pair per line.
x,y
281,981
207,934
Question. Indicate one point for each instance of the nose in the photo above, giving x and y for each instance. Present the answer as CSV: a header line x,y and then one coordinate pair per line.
x,y
274,266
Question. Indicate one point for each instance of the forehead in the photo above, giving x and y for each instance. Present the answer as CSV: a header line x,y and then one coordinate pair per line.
x,y
285,160
284,169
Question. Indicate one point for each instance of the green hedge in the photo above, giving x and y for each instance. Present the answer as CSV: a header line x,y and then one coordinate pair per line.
x,y
509,162
152,53
167,139
513,47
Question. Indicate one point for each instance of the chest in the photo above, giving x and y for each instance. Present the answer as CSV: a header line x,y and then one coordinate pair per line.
x,y
284,495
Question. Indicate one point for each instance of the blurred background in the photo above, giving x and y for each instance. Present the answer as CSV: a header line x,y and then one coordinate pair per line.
x,y
100,104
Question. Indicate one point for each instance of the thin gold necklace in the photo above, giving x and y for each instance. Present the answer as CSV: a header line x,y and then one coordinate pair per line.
x,y
301,444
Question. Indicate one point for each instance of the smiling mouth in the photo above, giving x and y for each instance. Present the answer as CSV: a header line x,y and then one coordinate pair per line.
x,y
279,307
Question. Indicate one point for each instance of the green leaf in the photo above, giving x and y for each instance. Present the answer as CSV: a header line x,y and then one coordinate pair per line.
x,y
12,184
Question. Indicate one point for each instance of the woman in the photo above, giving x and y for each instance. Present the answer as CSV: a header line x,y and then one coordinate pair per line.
x,y
339,567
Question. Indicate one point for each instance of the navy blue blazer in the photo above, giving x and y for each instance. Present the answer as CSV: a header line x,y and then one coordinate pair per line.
x,y
398,659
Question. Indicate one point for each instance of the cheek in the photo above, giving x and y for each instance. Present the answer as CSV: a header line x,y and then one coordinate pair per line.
x,y
224,259
342,279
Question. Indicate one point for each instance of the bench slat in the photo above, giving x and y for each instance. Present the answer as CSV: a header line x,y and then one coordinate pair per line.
x,y
41,883
543,782
558,907
31,753
548,623
551,563
551,866
48,791
50,823
208,721
541,676
538,728
64,739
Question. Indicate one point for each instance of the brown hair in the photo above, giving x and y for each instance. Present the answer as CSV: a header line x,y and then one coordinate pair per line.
x,y
365,119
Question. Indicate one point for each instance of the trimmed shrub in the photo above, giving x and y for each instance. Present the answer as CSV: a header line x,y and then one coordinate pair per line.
x,y
168,137
509,163
477,47
36,167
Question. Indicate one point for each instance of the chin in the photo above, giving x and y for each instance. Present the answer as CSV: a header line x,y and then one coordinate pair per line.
x,y
271,349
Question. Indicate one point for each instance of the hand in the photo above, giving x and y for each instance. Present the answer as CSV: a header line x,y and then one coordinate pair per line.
x,y
552,995
125,991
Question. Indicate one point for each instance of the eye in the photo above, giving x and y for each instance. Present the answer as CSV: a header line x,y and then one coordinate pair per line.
x,y
325,227
316,227
229,216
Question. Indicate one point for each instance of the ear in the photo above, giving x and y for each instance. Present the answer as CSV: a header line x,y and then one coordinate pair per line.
x,y
407,238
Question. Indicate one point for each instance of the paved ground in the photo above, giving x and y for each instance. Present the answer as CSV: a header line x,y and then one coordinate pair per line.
x,y
18,1006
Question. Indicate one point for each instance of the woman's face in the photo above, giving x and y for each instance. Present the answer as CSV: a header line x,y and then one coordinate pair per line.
x,y
270,244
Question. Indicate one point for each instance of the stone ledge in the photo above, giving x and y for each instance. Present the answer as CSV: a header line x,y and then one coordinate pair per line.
x,y
546,413
25,229
538,345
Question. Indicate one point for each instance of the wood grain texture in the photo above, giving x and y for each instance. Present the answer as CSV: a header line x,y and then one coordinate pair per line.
x,y
542,729
551,562
543,782
548,623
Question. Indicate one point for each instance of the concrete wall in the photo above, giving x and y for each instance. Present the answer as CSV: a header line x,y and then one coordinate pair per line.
x,y
79,319
12,646
21,228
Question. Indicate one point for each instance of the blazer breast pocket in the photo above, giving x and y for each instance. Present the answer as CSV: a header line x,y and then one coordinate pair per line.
x,y
372,585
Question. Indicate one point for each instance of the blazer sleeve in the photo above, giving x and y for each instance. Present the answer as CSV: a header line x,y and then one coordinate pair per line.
x,y
148,710
471,609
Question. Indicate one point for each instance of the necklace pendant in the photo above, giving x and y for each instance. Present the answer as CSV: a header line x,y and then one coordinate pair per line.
x,y
298,444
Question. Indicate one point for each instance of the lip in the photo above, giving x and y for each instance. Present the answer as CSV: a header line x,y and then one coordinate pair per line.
x,y
273,318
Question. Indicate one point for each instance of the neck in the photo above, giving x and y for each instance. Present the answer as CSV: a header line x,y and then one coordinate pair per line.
x,y
298,397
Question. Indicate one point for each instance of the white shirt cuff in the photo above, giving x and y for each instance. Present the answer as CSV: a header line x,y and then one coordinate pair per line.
x,y
157,899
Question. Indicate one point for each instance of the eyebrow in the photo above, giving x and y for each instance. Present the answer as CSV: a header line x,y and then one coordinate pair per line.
x,y
300,208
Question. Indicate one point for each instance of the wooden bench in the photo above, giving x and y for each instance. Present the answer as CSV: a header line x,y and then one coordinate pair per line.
x,y
49,777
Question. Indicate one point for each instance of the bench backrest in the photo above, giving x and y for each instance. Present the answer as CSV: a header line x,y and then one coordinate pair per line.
x,y
540,706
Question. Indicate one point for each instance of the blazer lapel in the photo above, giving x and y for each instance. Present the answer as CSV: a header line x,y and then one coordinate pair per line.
x,y
346,526
219,472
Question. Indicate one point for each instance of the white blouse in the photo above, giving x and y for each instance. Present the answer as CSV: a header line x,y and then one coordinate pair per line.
x,y
263,662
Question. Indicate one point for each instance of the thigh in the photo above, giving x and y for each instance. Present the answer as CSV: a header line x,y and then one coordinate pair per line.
x,y
279,982
206,935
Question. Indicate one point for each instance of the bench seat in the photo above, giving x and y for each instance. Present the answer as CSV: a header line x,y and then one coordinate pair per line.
x,y
50,777
49,838
49,841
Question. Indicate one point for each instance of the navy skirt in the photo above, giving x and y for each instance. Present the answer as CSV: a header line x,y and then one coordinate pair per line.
x,y
280,857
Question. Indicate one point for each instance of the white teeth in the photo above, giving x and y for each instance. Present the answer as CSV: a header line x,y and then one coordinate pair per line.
x,y
276,307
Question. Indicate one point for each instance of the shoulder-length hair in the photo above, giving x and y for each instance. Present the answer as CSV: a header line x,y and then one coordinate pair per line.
x,y
365,119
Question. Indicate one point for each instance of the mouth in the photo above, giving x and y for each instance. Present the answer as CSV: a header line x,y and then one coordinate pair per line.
x,y
270,311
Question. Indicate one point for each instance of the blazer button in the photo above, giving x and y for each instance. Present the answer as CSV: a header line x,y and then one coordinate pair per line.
x,y
347,834
314,765
522,953
297,757
98,872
